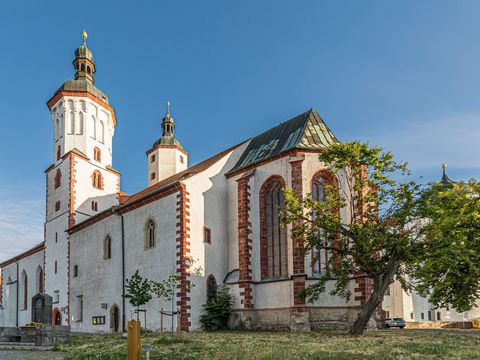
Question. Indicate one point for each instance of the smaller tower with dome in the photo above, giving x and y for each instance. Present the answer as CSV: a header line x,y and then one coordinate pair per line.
x,y
166,157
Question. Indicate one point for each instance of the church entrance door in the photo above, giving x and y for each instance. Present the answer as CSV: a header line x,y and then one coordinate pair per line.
x,y
114,318
57,317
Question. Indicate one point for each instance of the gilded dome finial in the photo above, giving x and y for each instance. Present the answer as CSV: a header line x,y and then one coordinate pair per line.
x,y
84,36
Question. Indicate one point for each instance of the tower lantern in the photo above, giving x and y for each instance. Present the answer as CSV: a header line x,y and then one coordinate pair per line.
x,y
84,63
166,157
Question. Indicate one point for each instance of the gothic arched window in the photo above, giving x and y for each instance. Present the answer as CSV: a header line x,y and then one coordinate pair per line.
x,y
71,130
97,155
149,234
273,239
211,287
97,180
94,127
80,124
107,247
57,129
102,132
58,179
320,256
25,290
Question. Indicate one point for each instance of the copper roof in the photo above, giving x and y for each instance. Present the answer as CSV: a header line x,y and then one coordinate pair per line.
x,y
305,131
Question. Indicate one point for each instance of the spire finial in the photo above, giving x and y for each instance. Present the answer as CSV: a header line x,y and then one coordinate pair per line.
x,y
168,106
444,167
84,36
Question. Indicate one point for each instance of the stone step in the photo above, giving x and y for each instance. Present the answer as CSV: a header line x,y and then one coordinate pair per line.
x,y
23,346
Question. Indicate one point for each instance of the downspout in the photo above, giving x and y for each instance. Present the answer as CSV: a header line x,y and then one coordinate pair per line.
x,y
116,212
16,262
123,276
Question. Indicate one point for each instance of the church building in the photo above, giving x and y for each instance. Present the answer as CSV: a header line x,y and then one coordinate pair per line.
x,y
219,216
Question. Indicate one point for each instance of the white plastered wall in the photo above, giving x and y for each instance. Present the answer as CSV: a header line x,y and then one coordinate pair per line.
x,y
30,265
209,207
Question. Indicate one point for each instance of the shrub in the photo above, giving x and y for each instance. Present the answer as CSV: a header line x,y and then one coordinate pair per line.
x,y
217,310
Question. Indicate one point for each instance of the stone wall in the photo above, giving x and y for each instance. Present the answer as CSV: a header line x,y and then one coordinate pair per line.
x,y
40,335
295,318
439,325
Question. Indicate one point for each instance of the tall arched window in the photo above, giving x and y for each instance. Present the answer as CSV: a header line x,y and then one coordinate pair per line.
x,y
102,132
107,248
59,152
97,155
57,129
80,124
71,130
273,239
150,234
39,280
94,127
320,256
211,287
97,180
25,290
58,179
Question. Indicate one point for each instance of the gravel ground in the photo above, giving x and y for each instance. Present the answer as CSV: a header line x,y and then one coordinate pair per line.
x,y
29,355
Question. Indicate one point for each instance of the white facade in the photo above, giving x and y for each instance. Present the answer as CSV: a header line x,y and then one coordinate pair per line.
x,y
210,214
414,308
22,279
165,161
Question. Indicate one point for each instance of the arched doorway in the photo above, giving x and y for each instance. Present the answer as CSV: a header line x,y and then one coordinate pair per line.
x,y
114,318
56,317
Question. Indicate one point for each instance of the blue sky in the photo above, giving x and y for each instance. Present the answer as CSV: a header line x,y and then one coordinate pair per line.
x,y
403,75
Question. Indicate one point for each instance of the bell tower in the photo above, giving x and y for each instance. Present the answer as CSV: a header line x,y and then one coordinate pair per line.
x,y
81,181
166,157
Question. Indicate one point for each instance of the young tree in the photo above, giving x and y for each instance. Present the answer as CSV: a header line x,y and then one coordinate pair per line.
x,y
138,291
362,219
448,273
167,289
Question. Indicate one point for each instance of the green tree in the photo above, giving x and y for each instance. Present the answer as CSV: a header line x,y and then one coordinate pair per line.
x,y
138,291
217,310
448,273
374,235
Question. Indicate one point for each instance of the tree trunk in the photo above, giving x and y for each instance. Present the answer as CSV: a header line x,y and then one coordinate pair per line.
x,y
380,286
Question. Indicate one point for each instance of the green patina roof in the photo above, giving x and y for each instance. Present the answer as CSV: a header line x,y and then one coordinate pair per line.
x,y
305,131
84,86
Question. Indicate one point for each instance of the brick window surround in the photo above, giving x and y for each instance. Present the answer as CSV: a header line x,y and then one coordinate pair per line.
x,y
97,180
319,180
273,236
58,179
97,154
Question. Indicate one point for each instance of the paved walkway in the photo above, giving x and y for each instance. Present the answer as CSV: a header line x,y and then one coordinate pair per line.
x,y
29,355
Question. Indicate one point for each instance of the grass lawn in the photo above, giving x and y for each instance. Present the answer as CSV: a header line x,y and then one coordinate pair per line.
x,y
385,344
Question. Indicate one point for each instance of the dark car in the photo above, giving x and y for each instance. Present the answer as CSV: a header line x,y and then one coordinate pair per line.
x,y
395,322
